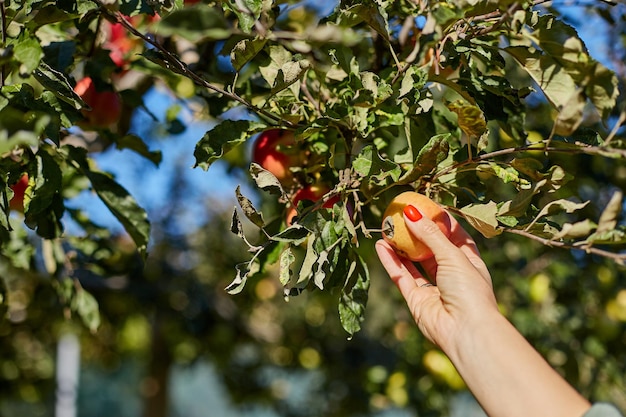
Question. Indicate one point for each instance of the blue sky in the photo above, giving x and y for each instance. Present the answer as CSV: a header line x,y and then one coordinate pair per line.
x,y
150,184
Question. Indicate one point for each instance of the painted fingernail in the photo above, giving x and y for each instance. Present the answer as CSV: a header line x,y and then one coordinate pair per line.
x,y
412,213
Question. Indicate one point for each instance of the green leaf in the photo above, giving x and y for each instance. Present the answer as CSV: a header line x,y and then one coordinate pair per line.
x,y
310,257
367,11
115,197
136,144
519,204
602,89
195,24
556,84
482,217
576,230
557,206
124,207
287,259
250,212
283,69
571,114
239,282
86,306
28,52
245,50
354,296
565,71
235,224
414,79
295,234
428,158
44,210
265,180
470,118
609,237
377,170
79,301
56,82
610,214
222,138
247,11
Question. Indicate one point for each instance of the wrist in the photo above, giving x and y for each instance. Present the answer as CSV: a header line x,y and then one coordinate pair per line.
x,y
473,332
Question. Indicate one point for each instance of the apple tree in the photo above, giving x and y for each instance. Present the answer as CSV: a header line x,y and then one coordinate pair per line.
x,y
497,110
493,109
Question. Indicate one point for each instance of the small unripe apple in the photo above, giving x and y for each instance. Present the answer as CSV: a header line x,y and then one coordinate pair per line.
x,y
106,106
396,233
271,151
310,193
19,189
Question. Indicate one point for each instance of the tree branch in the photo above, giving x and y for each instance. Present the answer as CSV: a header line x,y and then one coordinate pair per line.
x,y
617,257
183,69
580,149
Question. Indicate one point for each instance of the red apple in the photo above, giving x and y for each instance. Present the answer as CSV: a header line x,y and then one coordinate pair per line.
x,y
310,193
106,106
272,151
19,188
120,44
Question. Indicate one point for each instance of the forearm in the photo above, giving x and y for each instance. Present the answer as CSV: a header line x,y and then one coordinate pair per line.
x,y
507,375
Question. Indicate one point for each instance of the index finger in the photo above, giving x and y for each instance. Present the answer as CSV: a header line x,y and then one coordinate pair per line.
x,y
401,271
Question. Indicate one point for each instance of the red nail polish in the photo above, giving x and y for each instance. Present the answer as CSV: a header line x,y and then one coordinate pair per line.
x,y
412,213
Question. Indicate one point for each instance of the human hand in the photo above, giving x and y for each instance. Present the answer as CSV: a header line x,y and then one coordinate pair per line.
x,y
453,304
455,290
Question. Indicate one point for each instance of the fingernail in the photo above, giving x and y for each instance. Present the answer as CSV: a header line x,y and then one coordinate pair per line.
x,y
412,213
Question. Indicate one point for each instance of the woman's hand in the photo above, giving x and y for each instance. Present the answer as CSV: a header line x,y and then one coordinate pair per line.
x,y
454,306
461,285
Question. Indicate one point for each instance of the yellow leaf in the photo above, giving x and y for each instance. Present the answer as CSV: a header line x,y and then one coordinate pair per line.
x,y
470,118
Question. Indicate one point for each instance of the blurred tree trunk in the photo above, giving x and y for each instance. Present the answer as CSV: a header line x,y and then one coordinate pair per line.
x,y
156,400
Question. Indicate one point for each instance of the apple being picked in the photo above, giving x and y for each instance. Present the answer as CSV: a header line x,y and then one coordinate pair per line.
x,y
106,106
19,189
310,193
273,151
396,233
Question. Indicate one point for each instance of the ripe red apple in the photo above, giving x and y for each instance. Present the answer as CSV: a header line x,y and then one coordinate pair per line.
x,y
123,45
120,44
272,151
106,106
19,189
310,193
397,234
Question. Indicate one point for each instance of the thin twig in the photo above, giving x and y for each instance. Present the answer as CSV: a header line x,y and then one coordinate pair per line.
x,y
305,89
618,124
509,12
581,149
182,68
618,257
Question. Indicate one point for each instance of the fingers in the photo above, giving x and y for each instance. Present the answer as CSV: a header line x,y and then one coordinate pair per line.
x,y
458,250
460,238
430,234
401,271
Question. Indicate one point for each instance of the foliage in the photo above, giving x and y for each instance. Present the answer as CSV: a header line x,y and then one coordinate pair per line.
x,y
496,110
